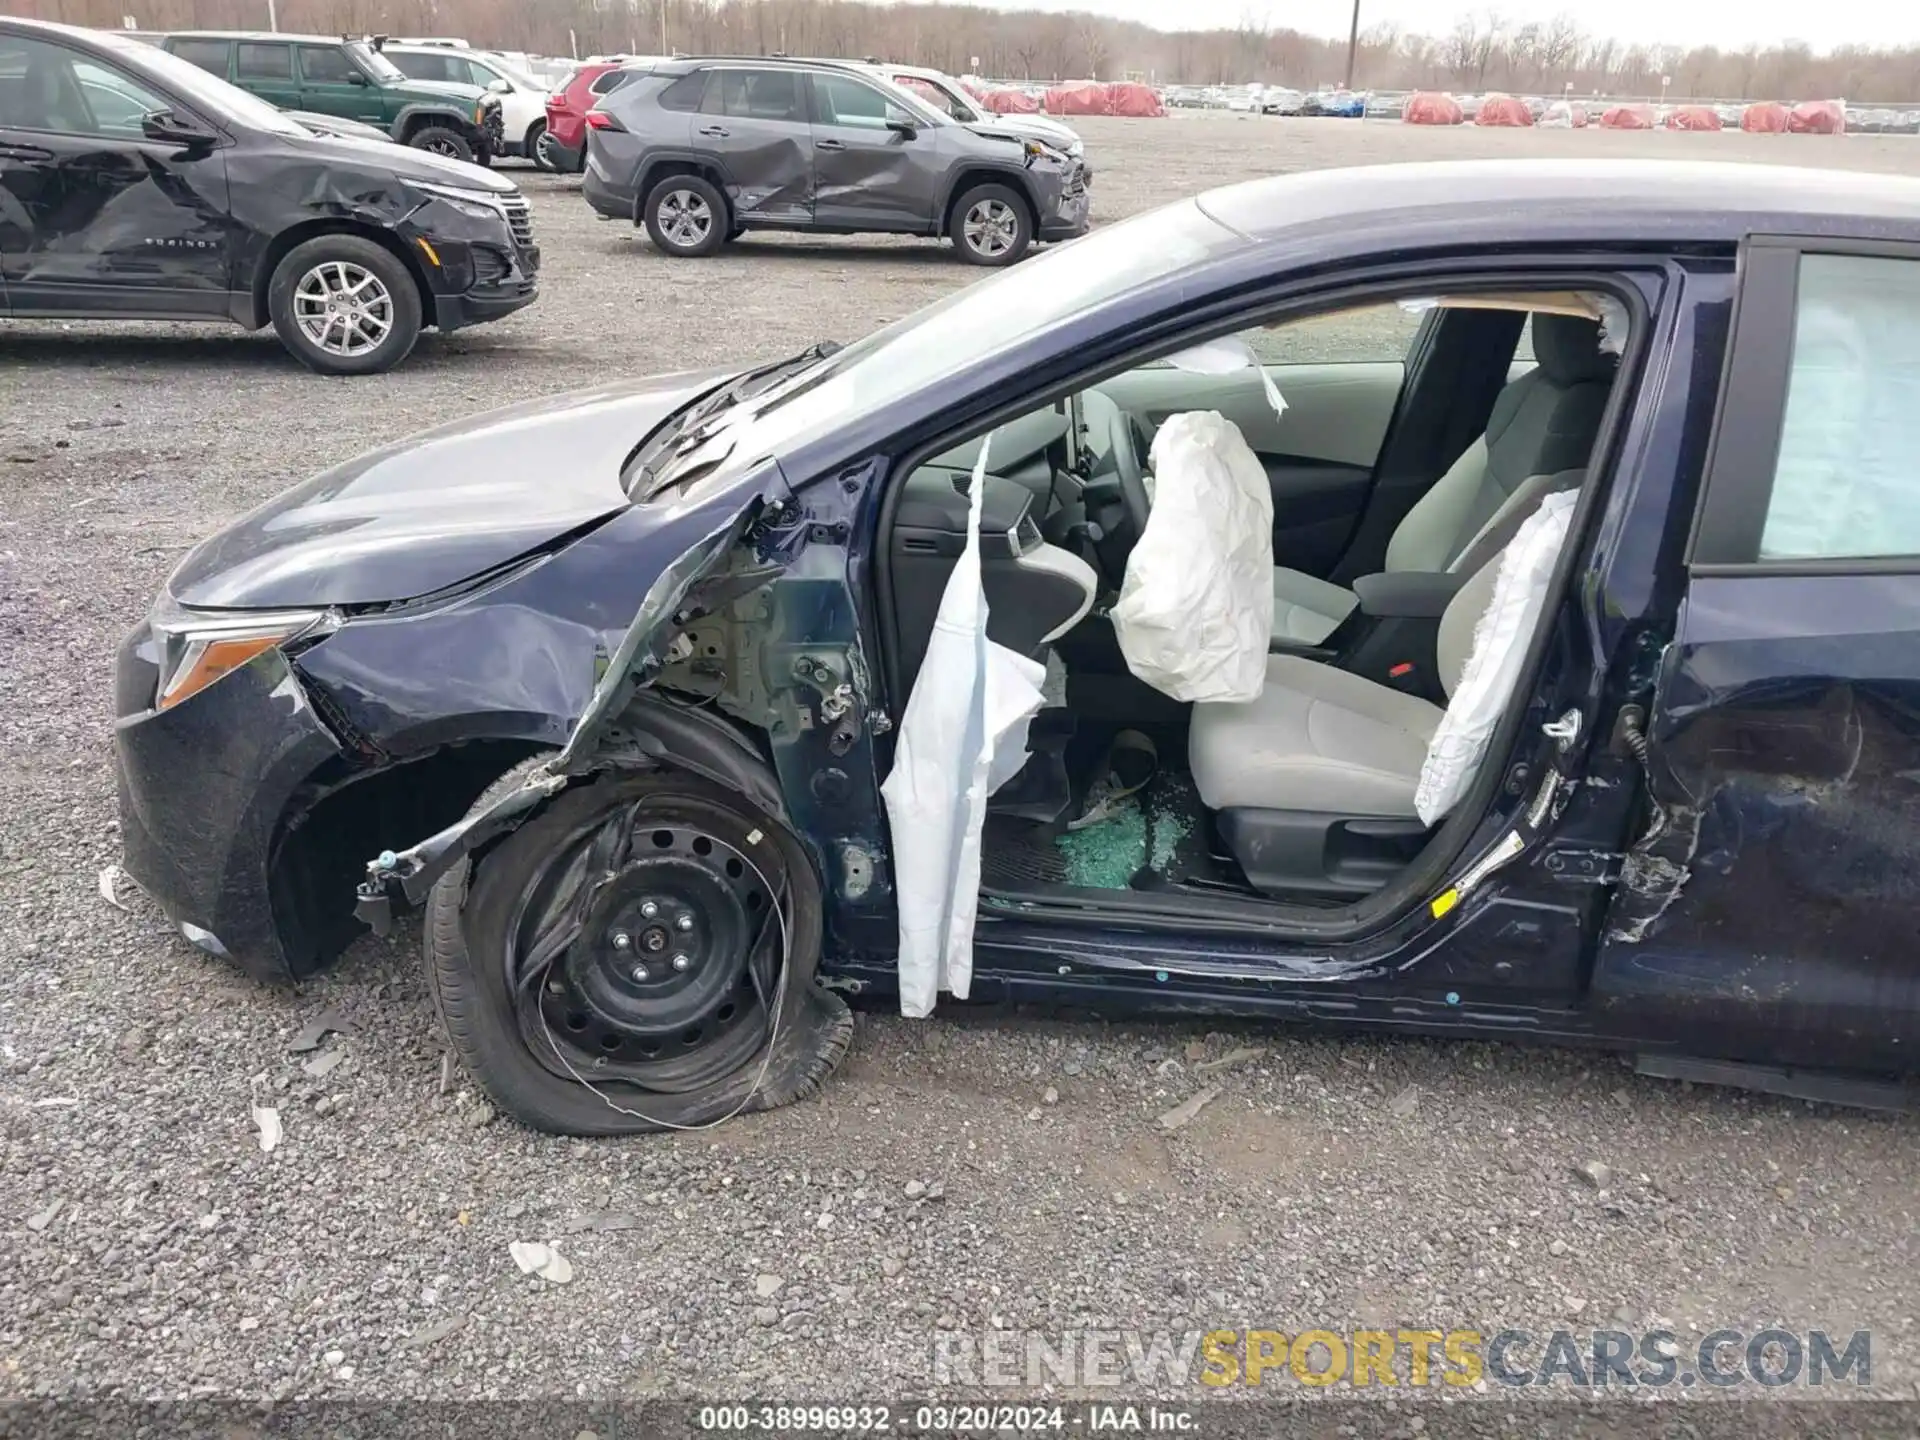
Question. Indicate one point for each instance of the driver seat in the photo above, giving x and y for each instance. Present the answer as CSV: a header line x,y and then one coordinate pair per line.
x,y
1543,423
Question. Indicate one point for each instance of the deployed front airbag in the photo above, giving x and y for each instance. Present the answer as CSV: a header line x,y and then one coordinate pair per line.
x,y
1195,613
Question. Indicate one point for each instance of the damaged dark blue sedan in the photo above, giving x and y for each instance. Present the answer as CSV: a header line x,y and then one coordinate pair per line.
x,y
1475,600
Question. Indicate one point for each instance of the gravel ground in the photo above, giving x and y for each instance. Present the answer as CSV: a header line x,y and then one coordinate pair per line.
x,y
152,1249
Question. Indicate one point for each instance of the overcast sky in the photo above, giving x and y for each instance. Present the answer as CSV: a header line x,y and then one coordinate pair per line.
x,y
1730,24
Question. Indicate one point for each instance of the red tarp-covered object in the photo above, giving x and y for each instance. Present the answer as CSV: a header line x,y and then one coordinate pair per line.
x,y
1083,97
1137,101
1010,102
1503,110
1818,117
1693,117
1769,117
1429,107
1628,117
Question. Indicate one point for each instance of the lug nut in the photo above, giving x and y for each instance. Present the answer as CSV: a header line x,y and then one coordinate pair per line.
x,y
648,910
681,962
685,922
622,940
640,972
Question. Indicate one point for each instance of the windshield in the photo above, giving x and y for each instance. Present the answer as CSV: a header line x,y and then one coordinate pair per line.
x,y
913,104
998,313
376,64
941,96
207,91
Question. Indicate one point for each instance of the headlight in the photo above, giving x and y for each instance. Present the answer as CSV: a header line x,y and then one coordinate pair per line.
x,y
1077,149
196,650
477,204
1040,150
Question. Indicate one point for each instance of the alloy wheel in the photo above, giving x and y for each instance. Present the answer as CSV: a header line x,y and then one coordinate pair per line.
x,y
991,227
685,218
343,308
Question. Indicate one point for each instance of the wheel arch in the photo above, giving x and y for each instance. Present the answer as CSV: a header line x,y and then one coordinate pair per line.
x,y
980,174
663,166
337,818
412,117
296,235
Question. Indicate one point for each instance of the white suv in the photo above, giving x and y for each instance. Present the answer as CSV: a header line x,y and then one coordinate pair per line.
x,y
945,93
523,99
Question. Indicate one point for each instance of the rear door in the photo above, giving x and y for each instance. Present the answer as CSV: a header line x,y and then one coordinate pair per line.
x,y
754,124
1776,889
266,68
1341,376
865,173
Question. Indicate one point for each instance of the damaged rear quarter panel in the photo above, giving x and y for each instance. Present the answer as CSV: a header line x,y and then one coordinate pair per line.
x,y
1776,887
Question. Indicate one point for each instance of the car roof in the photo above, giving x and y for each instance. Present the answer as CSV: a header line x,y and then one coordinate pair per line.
x,y
685,64
269,35
1501,202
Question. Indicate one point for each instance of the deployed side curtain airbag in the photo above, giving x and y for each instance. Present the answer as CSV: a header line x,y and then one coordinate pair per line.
x,y
1195,614
963,737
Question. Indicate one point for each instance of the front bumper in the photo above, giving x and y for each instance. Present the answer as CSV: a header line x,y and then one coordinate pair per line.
x,y
1070,217
202,787
479,269
478,306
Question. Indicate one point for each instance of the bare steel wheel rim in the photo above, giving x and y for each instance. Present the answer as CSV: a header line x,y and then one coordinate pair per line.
x,y
343,308
991,227
644,954
685,218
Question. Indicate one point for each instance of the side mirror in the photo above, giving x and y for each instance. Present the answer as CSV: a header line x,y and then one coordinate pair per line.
x,y
499,87
356,78
901,125
171,129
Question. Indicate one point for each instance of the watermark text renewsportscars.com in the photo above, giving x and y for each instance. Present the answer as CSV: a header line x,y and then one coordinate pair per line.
x,y
1405,1357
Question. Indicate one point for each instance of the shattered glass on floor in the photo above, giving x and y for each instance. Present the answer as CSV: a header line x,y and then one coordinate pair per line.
x,y
1146,831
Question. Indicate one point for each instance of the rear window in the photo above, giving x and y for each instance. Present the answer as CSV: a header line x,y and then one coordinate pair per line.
x,y
755,95
1843,485
684,93
209,55
606,84
264,62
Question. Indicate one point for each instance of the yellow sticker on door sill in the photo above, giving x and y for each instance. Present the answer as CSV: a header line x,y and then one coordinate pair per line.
x,y
1443,902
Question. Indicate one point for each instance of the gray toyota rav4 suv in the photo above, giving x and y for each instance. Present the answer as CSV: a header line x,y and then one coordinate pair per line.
x,y
701,149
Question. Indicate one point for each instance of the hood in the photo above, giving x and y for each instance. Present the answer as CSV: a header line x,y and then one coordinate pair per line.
x,y
1039,126
407,163
436,508
335,126
454,88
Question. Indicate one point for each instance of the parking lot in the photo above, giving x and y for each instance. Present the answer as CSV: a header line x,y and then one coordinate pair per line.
x,y
981,1170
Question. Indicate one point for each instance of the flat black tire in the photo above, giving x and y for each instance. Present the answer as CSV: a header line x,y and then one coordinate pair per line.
x,y
478,908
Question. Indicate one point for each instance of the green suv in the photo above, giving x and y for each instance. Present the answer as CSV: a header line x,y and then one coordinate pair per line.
x,y
351,79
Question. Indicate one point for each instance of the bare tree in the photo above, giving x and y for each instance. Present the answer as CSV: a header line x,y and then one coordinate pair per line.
x,y
1032,45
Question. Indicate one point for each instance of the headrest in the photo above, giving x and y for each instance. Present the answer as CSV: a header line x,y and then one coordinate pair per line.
x,y
1567,348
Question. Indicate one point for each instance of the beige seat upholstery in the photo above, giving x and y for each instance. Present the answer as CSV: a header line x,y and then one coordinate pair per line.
x,y
1322,739
1542,424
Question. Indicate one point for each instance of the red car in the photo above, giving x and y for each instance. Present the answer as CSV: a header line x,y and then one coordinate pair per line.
x,y
564,145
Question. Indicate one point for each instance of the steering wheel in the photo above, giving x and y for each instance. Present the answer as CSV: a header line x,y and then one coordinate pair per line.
x,y
1123,443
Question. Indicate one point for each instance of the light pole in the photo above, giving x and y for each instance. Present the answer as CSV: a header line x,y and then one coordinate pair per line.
x,y
1353,42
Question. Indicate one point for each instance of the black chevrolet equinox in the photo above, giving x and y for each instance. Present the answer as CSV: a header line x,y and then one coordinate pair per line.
x,y
135,186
